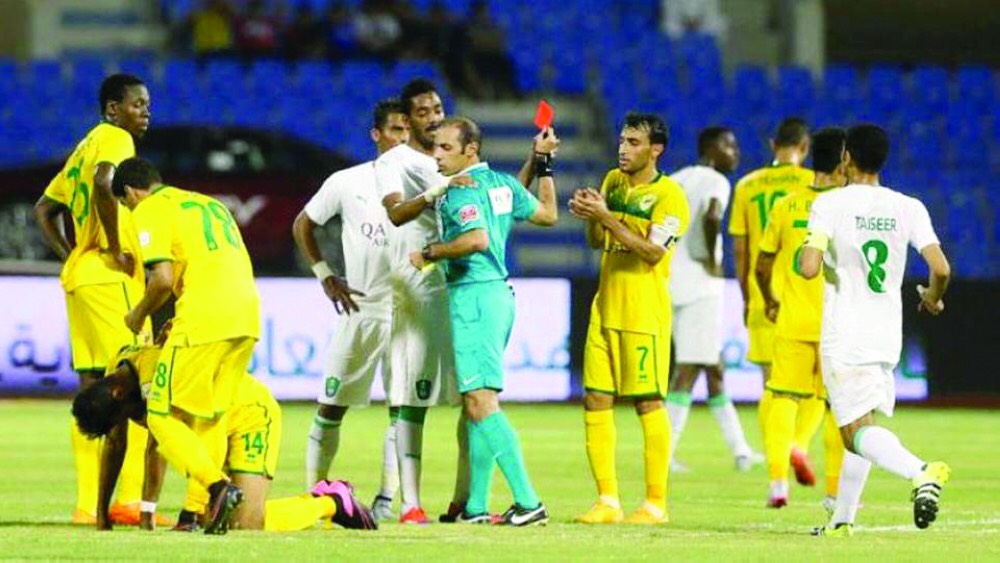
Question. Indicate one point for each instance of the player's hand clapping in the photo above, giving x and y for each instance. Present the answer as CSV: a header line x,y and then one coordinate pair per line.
x,y
589,204
340,293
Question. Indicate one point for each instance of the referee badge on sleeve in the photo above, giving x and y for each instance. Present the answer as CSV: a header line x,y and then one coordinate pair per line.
x,y
468,214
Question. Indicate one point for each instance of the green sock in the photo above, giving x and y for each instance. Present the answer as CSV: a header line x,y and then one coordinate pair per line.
x,y
480,470
506,448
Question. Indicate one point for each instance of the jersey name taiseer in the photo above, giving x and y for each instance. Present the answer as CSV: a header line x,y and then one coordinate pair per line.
x,y
874,223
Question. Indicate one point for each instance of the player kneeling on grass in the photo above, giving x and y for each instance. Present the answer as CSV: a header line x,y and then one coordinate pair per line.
x,y
253,429
476,221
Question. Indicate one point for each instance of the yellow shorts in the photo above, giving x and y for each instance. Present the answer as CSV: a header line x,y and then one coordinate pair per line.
x,y
254,431
796,368
761,337
97,328
201,380
626,364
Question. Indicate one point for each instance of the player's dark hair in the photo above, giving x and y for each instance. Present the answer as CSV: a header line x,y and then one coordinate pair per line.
x,y
709,136
792,131
96,410
383,110
658,134
868,146
827,148
468,131
135,172
113,88
414,88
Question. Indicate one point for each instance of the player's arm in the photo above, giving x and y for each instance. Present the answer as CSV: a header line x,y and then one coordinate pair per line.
x,y
152,484
469,242
650,250
335,287
543,145
48,215
763,271
107,212
811,257
711,227
158,289
112,458
938,278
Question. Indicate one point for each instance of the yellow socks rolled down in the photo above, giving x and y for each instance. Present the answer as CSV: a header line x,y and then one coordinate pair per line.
x,y
656,446
86,458
808,421
780,432
297,513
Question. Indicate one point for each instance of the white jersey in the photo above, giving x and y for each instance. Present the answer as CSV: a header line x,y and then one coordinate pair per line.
x,y
409,172
351,194
869,228
689,281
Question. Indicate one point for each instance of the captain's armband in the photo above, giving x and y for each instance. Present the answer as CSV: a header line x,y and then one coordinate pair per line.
x,y
817,240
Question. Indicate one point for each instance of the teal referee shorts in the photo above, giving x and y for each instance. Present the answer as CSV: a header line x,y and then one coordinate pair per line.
x,y
482,315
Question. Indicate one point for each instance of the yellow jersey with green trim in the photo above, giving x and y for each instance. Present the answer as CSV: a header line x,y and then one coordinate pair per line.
x,y
754,196
88,262
217,298
633,295
801,311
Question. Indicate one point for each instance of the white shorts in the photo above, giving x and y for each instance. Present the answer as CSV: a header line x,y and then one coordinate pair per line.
x,y
355,351
421,353
698,331
856,390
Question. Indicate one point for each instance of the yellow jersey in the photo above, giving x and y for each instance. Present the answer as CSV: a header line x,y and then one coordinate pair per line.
x,y
88,262
633,295
217,298
801,312
754,196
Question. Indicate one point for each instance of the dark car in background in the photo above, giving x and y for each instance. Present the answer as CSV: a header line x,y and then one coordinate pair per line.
x,y
265,179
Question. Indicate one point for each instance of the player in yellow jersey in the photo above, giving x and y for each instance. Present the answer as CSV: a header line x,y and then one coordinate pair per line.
x,y
754,196
635,220
796,308
253,430
194,250
99,274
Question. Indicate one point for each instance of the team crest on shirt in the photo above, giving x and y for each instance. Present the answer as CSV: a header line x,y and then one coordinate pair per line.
x,y
468,214
144,238
647,202
424,389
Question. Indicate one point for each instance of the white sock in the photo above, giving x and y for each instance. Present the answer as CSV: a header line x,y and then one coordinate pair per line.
x,y
390,464
409,444
462,467
324,439
678,414
729,422
881,447
853,474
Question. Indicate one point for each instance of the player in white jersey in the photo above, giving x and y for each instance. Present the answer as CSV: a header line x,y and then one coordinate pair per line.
x,y
422,354
696,286
365,297
861,233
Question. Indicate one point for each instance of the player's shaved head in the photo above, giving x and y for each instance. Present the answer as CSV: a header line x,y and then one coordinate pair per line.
x,y
792,132
868,146
136,173
655,127
468,131
114,87
828,149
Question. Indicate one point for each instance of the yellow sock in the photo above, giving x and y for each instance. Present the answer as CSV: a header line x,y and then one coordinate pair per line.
x,y
833,447
780,433
763,411
184,449
130,480
601,444
656,439
808,421
297,513
87,458
197,497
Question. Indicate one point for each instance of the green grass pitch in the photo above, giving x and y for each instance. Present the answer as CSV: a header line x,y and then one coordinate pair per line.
x,y
716,513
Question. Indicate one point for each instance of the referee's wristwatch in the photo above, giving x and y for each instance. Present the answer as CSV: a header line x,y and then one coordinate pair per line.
x,y
425,253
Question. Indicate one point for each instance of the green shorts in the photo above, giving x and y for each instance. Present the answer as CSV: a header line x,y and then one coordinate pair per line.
x,y
482,315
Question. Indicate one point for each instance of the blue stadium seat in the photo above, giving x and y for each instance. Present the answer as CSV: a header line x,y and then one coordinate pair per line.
x,y
45,78
141,67
796,92
180,78
885,90
570,72
752,89
88,73
930,89
224,77
922,147
976,88
268,77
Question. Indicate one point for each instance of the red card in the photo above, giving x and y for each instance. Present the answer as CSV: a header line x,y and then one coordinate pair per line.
x,y
544,115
